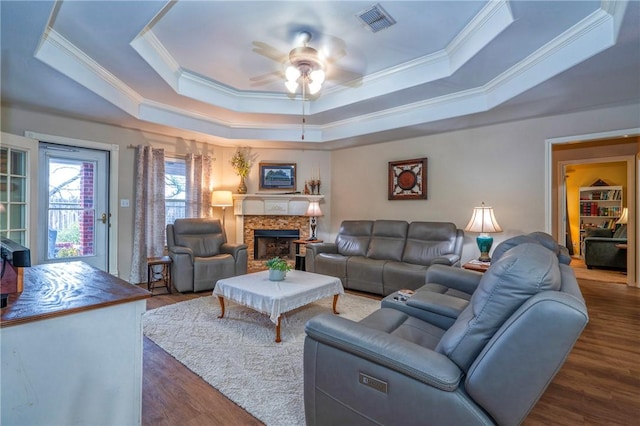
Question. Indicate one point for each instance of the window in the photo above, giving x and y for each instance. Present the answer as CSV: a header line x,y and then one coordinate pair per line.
x,y
13,194
175,189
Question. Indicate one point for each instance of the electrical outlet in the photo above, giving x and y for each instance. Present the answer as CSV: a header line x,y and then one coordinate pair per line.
x,y
124,202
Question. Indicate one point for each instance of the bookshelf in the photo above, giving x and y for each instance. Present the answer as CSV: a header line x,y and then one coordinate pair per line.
x,y
600,207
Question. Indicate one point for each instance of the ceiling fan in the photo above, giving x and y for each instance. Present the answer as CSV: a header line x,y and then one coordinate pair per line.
x,y
306,67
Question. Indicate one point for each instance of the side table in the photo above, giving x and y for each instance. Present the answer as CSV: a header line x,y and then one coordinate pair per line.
x,y
300,262
163,276
477,266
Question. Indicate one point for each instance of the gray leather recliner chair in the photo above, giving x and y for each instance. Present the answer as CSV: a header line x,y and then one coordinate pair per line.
x,y
489,367
201,255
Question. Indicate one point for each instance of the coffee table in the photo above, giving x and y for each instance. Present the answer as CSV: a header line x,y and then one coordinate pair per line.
x,y
274,298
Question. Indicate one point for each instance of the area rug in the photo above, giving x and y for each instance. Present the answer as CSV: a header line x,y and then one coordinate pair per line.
x,y
238,355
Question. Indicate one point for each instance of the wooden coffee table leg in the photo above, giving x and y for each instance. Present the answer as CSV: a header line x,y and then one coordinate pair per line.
x,y
221,300
335,301
278,330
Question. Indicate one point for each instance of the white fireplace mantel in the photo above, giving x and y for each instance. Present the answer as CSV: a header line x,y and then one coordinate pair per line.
x,y
265,204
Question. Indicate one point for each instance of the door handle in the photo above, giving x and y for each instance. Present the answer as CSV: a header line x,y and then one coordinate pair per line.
x,y
103,218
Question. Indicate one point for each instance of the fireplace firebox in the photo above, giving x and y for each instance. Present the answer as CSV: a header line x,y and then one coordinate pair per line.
x,y
268,243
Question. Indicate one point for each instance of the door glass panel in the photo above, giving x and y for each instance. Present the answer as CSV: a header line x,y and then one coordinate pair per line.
x,y
17,215
18,189
71,224
3,161
18,163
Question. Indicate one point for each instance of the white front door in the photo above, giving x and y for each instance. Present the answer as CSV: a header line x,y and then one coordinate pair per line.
x,y
74,199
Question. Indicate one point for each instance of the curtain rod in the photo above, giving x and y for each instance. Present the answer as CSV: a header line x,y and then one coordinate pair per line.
x,y
132,146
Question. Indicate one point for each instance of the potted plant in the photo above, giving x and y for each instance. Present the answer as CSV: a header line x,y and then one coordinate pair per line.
x,y
278,268
241,163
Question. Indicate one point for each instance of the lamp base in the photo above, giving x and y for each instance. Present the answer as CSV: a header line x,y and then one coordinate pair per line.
x,y
484,242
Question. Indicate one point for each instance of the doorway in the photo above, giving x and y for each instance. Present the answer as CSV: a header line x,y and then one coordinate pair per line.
x,y
74,198
622,146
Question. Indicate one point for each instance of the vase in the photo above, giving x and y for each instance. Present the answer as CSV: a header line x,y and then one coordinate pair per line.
x,y
242,188
276,275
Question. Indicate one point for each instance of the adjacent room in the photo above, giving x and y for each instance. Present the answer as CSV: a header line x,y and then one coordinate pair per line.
x,y
321,213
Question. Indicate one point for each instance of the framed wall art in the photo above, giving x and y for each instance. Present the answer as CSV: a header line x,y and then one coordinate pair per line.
x,y
278,176
408,179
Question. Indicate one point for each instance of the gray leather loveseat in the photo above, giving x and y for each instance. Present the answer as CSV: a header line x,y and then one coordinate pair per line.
x,y
201,255
383,256
489,367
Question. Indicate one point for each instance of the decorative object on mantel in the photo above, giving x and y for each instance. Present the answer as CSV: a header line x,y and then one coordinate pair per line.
x,y
314,183
408,179
278,268
278,176
222,199
241,163
314,212
483,221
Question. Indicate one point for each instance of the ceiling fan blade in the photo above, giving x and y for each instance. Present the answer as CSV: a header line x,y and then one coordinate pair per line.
x,y
269,51
267,78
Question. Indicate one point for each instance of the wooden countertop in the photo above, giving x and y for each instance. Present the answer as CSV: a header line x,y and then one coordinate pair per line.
x,y
57,289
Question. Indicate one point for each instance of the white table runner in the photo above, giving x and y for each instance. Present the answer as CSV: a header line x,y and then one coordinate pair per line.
x,y
273,298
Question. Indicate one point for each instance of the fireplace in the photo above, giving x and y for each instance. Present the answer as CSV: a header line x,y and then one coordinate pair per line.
x,y
268,243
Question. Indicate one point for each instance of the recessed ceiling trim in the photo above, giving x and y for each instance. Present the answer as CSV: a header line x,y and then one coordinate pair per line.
x,y
63,56
156,55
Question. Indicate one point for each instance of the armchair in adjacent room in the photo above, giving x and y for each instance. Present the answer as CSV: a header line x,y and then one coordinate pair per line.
x,y
601,248
201,255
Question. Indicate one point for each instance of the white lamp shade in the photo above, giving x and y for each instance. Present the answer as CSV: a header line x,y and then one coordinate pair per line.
x,y
314,209
221,199
483,220
624,217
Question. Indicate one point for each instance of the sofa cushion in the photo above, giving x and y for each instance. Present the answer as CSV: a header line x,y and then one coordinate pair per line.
x,y
621,232
428,240
520,273
353,237
399,275
388,239
203,237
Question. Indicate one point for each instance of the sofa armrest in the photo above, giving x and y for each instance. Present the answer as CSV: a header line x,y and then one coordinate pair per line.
x,y
425,365
317,248
601,240
177,252
441,304
446,259
456,278
232,249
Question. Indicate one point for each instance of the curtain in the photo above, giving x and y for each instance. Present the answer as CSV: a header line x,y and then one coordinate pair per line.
x,y
198,185
149,225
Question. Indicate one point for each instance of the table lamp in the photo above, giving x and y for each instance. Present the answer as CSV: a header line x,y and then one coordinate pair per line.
x,y
313,211
221,199
624,217
484,222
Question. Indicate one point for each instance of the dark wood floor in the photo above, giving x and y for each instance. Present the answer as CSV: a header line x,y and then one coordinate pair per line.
x,y
599,383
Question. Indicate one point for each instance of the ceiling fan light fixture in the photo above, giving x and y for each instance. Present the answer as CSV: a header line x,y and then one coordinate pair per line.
x,y
291,86
292,73
314,87
317,76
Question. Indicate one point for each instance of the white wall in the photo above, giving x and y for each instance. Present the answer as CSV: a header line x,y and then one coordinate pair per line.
x,y
502,165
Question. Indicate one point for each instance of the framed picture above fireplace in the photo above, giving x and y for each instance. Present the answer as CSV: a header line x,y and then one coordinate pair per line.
x,y
278,176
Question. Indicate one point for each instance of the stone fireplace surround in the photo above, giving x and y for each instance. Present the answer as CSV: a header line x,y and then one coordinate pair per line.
x,y
270,211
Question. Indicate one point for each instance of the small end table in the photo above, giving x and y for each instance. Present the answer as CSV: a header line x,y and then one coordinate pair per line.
x,y
300,259
163,276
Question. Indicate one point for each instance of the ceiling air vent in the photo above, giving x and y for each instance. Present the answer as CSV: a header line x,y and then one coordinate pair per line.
x,y
376,18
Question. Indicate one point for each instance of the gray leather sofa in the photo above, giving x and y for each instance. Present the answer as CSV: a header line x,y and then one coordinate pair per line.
x,y
446,293
201,255
489,367
601,251
383,256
